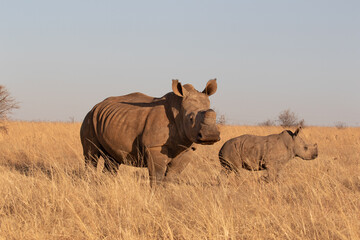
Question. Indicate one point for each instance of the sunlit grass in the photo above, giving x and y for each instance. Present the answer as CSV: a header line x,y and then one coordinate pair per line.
x,y
46,193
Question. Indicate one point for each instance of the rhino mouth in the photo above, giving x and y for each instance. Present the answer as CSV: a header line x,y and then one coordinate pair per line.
x,y
208,140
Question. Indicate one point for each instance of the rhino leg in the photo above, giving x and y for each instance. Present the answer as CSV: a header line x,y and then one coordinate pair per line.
x,y
90,144
110,165
91,152
272,170
228,167
273,166
179,163
157,163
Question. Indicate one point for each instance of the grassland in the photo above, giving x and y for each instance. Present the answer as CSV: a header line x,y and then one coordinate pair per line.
x,y
45,192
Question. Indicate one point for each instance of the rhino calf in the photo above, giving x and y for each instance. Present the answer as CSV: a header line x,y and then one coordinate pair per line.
x,y
269,153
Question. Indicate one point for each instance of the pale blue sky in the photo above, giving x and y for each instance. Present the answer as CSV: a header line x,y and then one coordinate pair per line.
x,y
59,58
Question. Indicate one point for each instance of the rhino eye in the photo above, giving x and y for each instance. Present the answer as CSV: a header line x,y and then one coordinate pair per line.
x,y
191,118
306,148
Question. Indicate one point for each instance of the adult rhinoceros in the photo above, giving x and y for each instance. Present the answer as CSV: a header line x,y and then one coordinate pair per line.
x,y
144,131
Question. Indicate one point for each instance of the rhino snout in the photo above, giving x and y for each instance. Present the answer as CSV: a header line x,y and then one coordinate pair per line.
x,y
315,154
208,135
210,114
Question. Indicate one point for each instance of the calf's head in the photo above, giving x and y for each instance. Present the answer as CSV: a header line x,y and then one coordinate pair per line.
x,y
303,150
198,121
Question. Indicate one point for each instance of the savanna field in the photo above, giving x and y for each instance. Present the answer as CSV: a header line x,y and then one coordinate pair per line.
x,y
46,192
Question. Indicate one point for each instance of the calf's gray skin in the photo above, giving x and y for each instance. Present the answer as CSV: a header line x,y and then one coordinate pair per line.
x,y
269,153
143,131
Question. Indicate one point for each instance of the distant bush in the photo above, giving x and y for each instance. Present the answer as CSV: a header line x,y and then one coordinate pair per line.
x,y
288,119
221,119
340,125
7,104
267,123
71,119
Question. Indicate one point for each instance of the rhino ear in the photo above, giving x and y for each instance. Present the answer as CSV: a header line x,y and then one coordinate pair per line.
x,y
211,87
297,131
178,89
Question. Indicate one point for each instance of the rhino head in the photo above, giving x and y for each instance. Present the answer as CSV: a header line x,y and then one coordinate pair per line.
x,y
198,121
303,150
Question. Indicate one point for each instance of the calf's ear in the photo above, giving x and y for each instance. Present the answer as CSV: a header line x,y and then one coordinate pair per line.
x,y
298,129
211,87
178,89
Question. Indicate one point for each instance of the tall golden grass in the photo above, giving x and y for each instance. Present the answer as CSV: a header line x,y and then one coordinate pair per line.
x,y
46,193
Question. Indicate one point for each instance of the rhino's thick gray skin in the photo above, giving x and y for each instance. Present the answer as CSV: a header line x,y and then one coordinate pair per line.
x,y
144,131
270,152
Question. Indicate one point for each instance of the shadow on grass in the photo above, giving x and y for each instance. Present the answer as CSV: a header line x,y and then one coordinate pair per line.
x,y
49,169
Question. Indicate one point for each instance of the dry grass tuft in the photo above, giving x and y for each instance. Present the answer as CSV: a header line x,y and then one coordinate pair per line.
x,y
45,192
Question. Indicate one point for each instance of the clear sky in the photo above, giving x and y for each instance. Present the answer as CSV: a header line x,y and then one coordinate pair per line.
x,y
59,58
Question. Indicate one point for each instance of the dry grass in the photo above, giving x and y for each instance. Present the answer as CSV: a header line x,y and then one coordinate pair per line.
x,y
45,192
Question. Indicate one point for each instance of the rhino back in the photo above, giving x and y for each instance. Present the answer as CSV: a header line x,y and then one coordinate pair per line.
x,y
120,123
275,148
